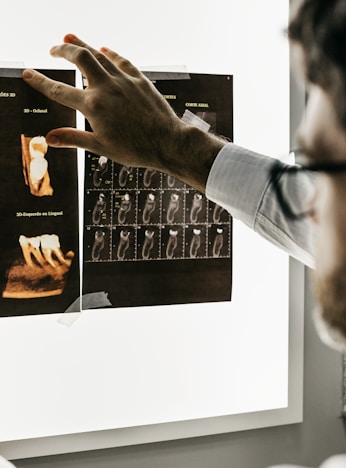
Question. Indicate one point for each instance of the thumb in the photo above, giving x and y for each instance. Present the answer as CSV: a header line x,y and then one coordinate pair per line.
x,y
72,138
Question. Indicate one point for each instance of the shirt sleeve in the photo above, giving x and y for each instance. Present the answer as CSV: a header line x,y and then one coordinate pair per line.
x,y
239,181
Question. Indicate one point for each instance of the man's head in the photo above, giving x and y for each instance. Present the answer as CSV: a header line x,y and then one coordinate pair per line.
x,y
317,32
319,27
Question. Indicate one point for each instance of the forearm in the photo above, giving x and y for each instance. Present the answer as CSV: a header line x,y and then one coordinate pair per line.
x,y
189,155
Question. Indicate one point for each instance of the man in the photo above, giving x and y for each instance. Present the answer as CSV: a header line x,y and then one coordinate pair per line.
x,y
133,125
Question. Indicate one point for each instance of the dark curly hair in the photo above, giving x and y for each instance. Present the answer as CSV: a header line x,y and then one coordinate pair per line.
x,y
319,26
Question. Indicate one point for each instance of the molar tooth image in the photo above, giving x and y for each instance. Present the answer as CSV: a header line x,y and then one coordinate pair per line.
x,y
172,243
217,213
147,177
123,244
196,207
41,271
99,208
173,207
170,181
148,244
50,246
149,207
102,166
98,246
125,207
218,242
124,173
195,243
35,165
31,248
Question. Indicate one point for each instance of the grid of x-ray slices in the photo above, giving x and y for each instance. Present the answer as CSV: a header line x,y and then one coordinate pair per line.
x,y
142,214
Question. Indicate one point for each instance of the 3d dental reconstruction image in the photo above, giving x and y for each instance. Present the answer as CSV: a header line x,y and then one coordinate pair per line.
x,y
39,261
150,239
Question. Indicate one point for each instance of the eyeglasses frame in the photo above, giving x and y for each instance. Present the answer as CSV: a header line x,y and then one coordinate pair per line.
x,y
278,169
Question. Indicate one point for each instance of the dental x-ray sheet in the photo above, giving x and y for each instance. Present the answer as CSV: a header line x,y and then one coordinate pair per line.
x,y
150,239
39,261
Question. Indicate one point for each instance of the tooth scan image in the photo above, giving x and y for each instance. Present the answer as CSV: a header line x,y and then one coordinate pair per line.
x,y
125,175
149,208
98,245
195,206
100,170
124,244
174,208
172,249
124,209
35,165
42,269
148,244
99,208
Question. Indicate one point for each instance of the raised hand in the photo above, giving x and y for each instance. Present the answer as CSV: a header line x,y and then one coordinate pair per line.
x,y
132,123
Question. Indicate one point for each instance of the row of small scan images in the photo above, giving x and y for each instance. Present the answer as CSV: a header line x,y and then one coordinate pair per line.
x,y
153,243
103,173
146,208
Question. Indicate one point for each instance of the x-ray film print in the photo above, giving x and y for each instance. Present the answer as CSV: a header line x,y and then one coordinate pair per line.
x,y
151,232
39,261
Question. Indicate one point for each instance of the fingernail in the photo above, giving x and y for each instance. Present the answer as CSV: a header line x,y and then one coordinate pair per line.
x,y
28,74
70,38
105,50
53,140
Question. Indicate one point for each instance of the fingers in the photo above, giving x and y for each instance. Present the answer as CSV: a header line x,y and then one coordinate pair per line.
x,y
84,59
121,63
73,138
100,57
55,90
109,59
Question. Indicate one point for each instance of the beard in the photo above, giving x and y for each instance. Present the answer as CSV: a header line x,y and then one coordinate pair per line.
x,y
330,313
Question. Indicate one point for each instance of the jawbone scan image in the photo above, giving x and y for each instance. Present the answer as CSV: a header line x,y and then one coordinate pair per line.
x,y
41,271
35,165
